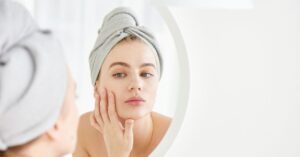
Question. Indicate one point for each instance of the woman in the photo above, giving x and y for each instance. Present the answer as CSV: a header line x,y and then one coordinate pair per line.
x,y
38,117
126,66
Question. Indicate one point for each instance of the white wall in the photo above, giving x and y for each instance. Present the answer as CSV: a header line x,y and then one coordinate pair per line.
x,y
245,81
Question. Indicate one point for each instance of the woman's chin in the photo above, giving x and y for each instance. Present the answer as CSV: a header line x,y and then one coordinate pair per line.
x,y
133,116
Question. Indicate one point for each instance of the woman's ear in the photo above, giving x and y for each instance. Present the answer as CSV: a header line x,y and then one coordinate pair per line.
x,y
54,133
96,92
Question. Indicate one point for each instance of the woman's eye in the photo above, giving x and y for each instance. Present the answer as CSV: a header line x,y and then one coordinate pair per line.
x,y
147,75
119,75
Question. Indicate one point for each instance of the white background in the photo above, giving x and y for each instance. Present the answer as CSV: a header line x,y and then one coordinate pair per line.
x,y
245,81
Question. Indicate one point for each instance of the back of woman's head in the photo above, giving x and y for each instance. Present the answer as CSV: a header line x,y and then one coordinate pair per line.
x,y
33,77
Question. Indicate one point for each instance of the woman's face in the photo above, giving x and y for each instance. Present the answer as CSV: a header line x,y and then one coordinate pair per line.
x,y
129,71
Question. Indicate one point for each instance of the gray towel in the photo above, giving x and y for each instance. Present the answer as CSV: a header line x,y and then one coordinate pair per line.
x,y
33,77
118,24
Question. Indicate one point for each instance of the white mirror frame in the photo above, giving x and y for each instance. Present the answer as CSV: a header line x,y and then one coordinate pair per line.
x,y
184,80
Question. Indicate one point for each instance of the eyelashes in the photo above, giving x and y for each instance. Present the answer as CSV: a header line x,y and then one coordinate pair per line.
x,y
120,75
147,75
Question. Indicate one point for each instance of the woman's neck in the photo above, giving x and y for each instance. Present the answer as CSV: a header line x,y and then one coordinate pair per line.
x,y
143,132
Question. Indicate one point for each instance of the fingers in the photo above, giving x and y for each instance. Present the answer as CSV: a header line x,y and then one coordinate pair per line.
x,y
105,111
96,115
103,106
129,129
112,108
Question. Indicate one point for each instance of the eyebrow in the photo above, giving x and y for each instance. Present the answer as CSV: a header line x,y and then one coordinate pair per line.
x,y
128,66
119,63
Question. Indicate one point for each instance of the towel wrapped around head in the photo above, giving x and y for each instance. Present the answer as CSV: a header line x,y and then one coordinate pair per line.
x,y
33,77
117,25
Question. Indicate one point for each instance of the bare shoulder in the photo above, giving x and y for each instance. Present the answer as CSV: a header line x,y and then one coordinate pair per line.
x,y
84,120
85,129
161,120
80,150
161,125
87,136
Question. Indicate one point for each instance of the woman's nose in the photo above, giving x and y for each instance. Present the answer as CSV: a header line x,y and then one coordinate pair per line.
x,y
135,84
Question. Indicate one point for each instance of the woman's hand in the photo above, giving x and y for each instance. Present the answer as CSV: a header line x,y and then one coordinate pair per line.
x,y
118,140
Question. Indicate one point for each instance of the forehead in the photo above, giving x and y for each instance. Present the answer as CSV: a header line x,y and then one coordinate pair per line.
x,y
134,52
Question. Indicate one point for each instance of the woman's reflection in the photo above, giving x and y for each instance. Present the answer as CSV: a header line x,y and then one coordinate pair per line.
x,y
126,67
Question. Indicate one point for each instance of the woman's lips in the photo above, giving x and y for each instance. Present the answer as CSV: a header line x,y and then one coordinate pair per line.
x,y
135,101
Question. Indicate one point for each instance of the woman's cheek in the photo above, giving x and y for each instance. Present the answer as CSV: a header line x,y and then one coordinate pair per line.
x,y
117,98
